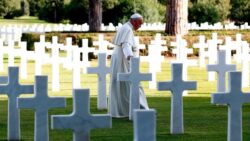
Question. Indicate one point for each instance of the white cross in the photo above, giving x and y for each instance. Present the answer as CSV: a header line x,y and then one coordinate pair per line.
x,y
212,50
85,50
228,47
134,77
80,121
102,45
55,60
245,58
101,70
69,53
41,103
221,68
13,89
235,98
76,68
177,86
202,46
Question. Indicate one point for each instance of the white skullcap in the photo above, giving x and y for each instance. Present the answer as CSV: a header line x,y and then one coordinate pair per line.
x,y
136,16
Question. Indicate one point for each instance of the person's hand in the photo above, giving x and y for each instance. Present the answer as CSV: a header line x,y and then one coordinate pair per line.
x,y
130,56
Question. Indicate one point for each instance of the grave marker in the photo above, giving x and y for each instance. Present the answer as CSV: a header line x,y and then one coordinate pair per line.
x,y
55,61
101,70
144,125
234,98
221,68
202,46
80,121
13,89
41,103
85,50
177,86
134,77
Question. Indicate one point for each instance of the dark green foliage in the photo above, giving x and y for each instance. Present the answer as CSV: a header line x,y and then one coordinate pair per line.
x,y
77,11
10,9
52,11
203,12
30,39
240,11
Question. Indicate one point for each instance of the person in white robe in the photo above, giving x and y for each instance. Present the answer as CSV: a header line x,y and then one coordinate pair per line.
x,y
125,48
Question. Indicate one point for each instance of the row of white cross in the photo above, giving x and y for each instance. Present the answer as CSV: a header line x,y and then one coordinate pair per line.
x,y
14,32
81,122
207,50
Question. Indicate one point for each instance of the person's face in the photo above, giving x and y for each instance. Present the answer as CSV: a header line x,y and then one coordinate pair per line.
x,y
137,23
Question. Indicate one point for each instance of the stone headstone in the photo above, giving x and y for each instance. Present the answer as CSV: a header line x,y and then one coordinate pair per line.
x,y
202,46
76,65
234,98
80,121
13,89
102,45
245,58
41,103
23,58
55,60
177,86
144,125
134,77
182,52
68,47
101,70
139,46
228,47
238,47
212,50
85,50
221,68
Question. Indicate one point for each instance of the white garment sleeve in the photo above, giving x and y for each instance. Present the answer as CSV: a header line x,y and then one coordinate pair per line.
x,y
127,49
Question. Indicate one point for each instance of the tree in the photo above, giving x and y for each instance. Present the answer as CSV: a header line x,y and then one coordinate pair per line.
x,y
79,8
177,17
95,15
240,11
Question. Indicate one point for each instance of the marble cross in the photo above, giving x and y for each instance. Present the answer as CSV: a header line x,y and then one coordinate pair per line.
x,y
144,125
177,86
134,77
245,58
221,68
102,45
212,50
69,53
2,51
202,46
228,48
41,103
11,53
13,89
234,98
55,60
101,70
23,57
85,50
80,121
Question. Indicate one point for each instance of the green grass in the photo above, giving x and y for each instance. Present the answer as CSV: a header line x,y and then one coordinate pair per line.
x,y
202,120
22,20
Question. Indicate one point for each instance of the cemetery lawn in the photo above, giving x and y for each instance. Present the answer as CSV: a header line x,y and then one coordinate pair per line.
x,y
202,122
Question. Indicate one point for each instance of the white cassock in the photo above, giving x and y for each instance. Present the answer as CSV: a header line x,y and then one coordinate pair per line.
x,y
120,90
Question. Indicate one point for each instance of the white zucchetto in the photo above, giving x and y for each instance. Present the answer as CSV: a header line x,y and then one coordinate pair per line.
x,y
136,16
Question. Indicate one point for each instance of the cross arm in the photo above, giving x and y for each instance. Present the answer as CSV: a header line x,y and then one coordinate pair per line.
x,y
219,98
